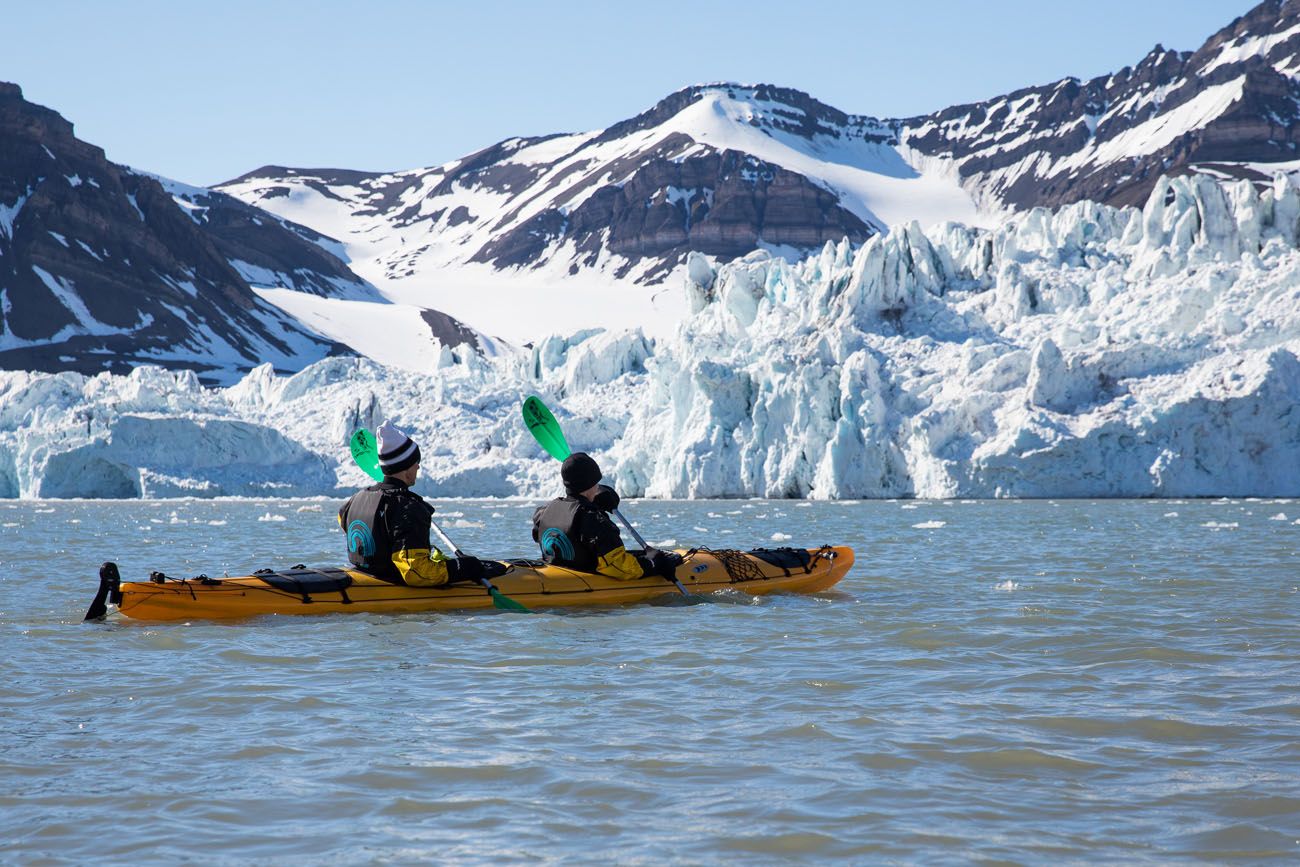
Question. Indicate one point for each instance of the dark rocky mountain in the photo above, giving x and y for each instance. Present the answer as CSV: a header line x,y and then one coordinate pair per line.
x,y
1225,108
100,269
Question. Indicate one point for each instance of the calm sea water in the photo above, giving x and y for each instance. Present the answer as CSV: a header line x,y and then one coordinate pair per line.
x,y
1036,682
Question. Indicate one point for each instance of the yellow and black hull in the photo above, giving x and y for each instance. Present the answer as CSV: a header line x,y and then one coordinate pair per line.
x,y
326,591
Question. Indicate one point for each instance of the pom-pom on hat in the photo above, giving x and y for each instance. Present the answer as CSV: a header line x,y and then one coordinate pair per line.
x,y
579,472
397,451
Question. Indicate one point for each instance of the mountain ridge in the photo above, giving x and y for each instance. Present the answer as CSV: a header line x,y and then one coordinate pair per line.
x,y
725,168
305,260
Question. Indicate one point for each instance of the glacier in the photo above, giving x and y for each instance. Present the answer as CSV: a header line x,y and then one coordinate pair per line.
x,y
1089,351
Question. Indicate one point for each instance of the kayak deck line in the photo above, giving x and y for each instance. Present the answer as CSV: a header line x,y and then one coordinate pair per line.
x,y
531,582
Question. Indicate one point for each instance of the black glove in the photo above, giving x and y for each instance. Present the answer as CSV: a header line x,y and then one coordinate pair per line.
x,y
606,499
665,563
465,568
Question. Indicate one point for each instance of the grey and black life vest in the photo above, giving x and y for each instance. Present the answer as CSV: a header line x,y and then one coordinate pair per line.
x,y
575,533
561,529
374,517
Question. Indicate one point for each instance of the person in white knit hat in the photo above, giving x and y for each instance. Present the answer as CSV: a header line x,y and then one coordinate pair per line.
x,y
388,524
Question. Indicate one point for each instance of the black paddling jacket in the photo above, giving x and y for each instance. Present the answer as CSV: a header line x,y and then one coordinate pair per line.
x,y
573,533
388,535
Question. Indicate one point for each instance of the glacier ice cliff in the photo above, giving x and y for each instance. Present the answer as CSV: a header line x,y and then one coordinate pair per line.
x,y
1088,351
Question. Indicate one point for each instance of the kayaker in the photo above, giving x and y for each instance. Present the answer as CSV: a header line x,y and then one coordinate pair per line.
x,y
388,523
575,531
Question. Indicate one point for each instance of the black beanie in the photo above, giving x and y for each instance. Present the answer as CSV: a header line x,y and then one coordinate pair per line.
x,y
580,473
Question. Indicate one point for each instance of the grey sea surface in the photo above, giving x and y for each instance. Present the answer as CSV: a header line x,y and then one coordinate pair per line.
x,y
1021,681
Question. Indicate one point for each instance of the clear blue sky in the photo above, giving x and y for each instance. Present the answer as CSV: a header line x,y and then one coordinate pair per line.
x,y
202,92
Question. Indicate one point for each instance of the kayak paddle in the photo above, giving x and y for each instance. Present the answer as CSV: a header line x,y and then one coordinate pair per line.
x,y
499,599
366,454
546,430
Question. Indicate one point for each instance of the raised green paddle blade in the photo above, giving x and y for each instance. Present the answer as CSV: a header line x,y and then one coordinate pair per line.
x,y
366,453
545,429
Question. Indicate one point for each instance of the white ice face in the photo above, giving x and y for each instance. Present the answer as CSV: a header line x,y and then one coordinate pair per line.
x,y
1088,351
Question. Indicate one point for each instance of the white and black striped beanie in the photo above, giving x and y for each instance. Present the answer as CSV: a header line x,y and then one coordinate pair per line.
x,y
397,451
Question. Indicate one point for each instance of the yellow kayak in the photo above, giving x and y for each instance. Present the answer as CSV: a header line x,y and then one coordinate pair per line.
x,y
529,582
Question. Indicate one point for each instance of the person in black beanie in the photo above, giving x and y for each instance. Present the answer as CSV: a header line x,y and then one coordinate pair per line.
x,y
575,530
388,523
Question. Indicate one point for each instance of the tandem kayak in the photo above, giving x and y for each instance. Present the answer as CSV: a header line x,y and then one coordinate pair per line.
x,y
530,582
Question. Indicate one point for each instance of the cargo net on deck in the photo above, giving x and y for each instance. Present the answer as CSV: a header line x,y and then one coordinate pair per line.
x,y
745,565
739,565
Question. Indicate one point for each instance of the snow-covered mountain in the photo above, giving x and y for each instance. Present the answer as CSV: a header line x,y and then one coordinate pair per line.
x,y
1090,351
725,169
100,270
1230,109
103,267
717,169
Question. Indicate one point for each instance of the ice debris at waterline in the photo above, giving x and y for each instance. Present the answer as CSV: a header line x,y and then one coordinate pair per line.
x,y
1090,351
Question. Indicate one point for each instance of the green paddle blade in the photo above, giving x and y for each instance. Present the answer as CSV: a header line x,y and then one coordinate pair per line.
x,y
366,453
545,429
505,603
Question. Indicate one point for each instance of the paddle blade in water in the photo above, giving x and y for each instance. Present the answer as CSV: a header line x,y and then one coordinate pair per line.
x,y
505,603
545,429
366,453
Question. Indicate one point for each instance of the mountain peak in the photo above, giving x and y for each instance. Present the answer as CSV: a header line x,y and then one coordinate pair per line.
x,y
768,107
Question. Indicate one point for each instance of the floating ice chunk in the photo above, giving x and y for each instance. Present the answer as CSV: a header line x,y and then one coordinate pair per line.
x,y
15,523
910,506
268,517
929,525
312,508
666,543
1171,514
217,523
462,523
803,505
700,529
1280,516
1219,525
1007,585
781,537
